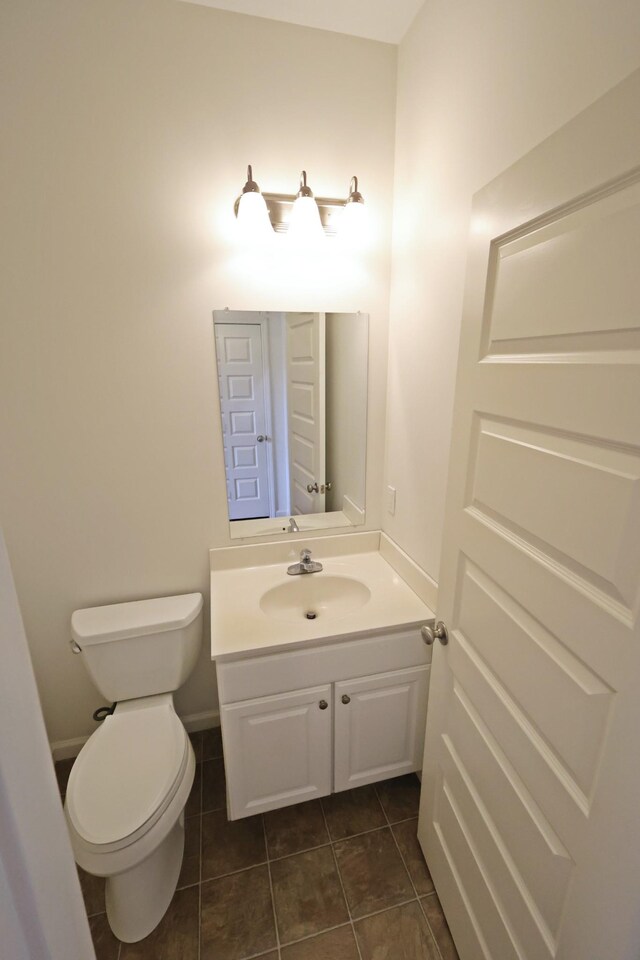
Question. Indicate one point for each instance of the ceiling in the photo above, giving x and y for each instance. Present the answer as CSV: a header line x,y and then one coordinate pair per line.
x,y
385,20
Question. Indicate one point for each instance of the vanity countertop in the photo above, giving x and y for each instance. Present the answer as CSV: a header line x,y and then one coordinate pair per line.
x,y
240,627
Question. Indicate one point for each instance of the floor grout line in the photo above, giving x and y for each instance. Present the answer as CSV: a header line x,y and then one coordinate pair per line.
x,y
391,906
330,841
273,899
396,823
287,856
344,893
257,956
363,833
433,937
233,873
318,933
420,907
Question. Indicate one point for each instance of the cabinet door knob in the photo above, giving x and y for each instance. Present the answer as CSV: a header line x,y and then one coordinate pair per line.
x,y
323,704
346,698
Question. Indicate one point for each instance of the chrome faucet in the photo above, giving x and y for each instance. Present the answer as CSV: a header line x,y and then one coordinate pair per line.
x,y
293,526
306,565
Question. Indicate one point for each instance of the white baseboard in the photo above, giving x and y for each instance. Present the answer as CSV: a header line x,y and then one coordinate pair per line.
x,y
66,749
201,721
417,578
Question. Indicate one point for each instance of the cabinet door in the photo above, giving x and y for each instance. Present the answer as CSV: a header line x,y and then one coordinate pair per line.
x,y
379,726
277,750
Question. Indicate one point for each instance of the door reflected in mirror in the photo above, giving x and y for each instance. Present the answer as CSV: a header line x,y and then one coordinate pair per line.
x,y
293,403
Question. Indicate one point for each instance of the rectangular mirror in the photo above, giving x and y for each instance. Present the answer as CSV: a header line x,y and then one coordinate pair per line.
x,y
293,402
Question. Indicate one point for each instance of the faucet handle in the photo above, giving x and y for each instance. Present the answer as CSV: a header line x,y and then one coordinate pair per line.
x,y
305,555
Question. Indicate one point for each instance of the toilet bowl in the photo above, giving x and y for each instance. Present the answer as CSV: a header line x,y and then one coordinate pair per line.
x,y
129,785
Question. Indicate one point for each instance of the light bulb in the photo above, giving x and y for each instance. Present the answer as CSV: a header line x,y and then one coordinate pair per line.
x,y
253,218
254,226
352,224
305,225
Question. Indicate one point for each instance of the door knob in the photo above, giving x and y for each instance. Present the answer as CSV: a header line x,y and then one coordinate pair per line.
x,y
261,438
323,704
312,488
346,698
434,631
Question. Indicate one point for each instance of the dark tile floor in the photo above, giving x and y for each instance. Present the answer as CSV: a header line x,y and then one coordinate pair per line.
x,y
342,878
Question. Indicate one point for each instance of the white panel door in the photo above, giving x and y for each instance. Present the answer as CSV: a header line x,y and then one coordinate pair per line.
x,y
277,750
306,411
530,809
379,726
243,405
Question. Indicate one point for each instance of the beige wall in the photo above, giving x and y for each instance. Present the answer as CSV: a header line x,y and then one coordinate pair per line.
x,y
479,84
126,128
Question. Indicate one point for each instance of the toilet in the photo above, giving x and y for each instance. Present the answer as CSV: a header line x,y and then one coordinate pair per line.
x,y
130,782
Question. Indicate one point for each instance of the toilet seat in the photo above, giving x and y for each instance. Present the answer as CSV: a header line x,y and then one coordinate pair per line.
x,y
127,774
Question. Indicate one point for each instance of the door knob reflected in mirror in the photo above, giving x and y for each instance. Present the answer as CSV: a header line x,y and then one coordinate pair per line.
x,y
261,438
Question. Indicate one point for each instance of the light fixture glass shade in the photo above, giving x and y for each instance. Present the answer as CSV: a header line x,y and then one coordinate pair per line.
x,y
353,221
253,218
305,225
352,225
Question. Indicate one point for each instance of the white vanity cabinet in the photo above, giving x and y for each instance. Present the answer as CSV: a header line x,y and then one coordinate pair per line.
x,y
277,750
322,718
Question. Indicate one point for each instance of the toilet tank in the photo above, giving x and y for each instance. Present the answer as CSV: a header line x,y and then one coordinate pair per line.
x,y
140,648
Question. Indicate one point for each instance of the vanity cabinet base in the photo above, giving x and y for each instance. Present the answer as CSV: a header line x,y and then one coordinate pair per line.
x,y
351,730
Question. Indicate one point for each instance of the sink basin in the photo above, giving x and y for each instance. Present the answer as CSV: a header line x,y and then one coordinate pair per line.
x,y
314,596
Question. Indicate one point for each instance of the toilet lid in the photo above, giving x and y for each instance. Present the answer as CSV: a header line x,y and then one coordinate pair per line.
x,y
125,772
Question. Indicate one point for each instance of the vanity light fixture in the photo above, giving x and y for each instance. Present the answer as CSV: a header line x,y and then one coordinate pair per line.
x,y
300,210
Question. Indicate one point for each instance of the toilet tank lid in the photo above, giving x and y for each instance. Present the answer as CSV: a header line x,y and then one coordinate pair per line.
x,y
117,621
